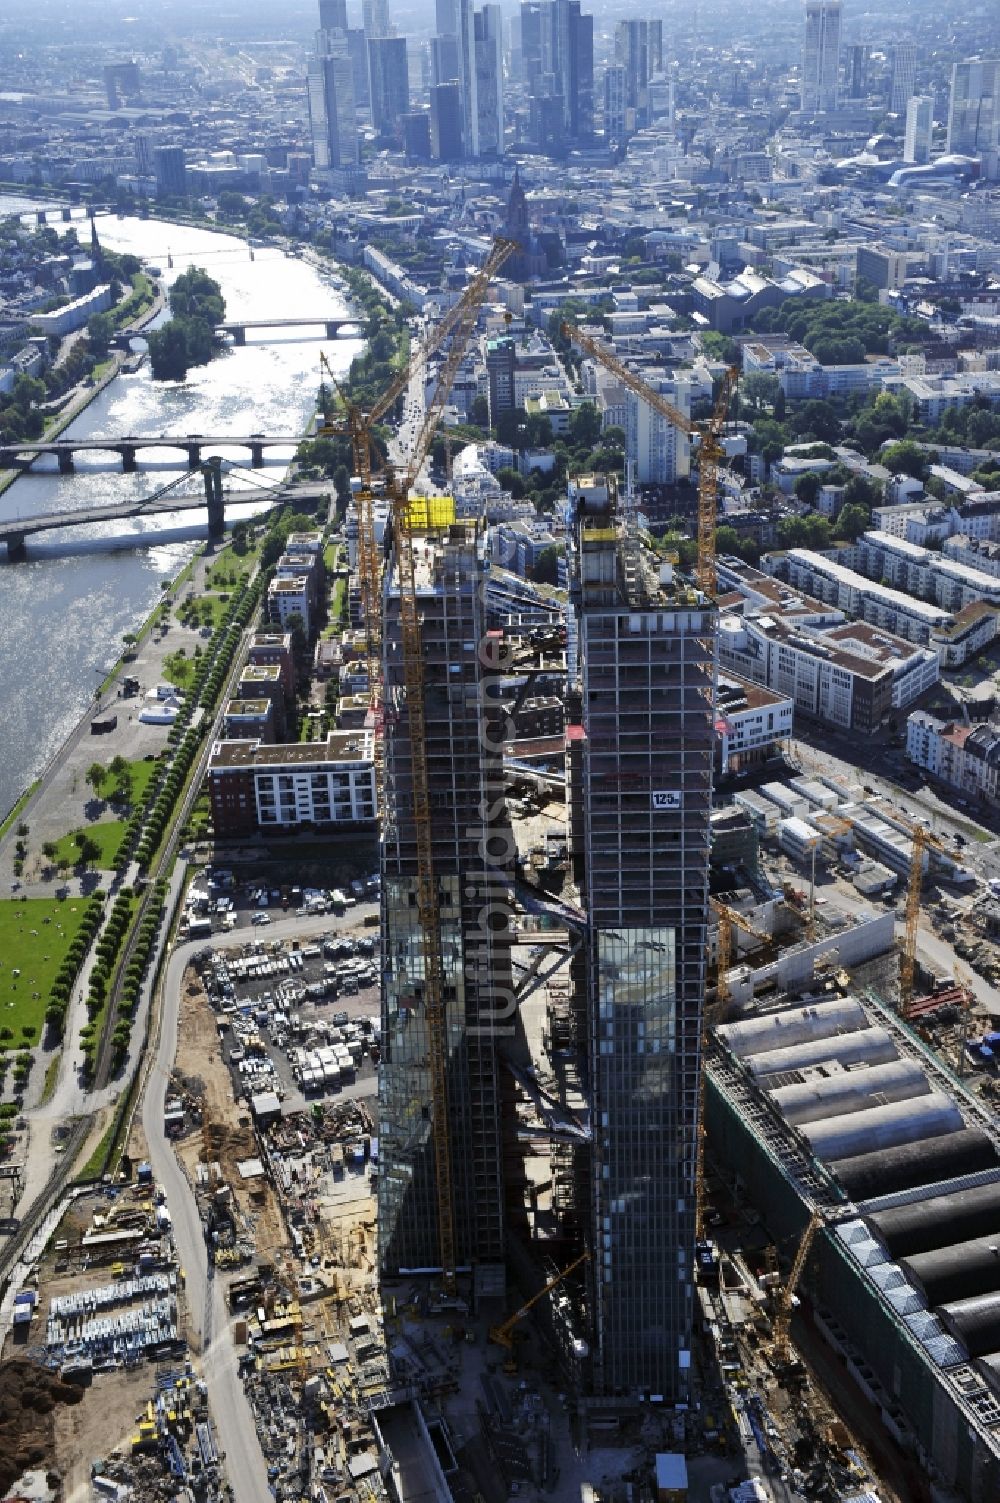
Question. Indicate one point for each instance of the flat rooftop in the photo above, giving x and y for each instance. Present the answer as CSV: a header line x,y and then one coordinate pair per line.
x,y
339,746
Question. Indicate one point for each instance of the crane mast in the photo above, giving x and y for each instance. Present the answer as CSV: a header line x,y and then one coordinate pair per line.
x,y
461,325
710,452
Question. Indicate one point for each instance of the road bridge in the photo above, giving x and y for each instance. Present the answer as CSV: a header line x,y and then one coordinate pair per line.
x,y
15,533
238,327
22,455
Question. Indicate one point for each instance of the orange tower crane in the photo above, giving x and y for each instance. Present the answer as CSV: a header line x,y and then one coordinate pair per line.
x,y
710,453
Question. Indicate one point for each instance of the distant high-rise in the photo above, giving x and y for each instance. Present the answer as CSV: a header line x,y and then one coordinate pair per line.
x,y
562,73
388,83
417,136
531,39
330,96
615,94
357,49
640,800
446,122
487,115
375,18
170,168
903,76
974,112
639,49
445,66
858,56
333,15
919,128
660,452
462,731
821,55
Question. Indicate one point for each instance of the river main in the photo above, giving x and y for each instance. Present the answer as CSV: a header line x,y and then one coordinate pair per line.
x,y
63,613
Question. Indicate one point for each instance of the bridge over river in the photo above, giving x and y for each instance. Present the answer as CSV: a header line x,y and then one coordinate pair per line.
x,y
22,454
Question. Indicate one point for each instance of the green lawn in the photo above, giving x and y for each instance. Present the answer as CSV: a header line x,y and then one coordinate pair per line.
x,y
179,669
107,833
34,937
205,610
229,566
140,772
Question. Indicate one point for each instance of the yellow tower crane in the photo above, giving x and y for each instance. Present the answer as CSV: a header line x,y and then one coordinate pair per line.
x,y
709,455
924,840
785,1300
503,1335
366,457
461,321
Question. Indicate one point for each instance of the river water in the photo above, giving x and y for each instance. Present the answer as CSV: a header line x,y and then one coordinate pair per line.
x,y
63,612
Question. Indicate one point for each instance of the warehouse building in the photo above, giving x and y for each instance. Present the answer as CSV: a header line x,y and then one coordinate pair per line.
x,y
836,1107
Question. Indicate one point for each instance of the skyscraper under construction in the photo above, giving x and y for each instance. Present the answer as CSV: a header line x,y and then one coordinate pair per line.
x,y
472,860
640,799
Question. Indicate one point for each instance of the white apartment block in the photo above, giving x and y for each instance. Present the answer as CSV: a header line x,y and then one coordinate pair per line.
x,y
923,572
660,452
289,597
865,599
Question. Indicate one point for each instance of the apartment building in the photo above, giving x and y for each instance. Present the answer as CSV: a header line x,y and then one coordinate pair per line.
x,y
640,799
472,857
752,723
966,757
922,572
851,676
254,786
969,632
867,599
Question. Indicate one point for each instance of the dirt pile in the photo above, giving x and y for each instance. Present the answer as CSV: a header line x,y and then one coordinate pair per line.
x,y
28,1395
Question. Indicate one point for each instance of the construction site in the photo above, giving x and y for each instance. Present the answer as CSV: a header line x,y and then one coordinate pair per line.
x,y
630,1158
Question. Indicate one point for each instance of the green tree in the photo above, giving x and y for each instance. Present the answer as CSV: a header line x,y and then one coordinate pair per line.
x,y
100,329
97,775
906,458
585,426
807,487
168,352
852,522
546,569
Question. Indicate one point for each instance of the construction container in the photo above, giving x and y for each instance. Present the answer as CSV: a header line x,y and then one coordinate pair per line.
x,y
671,1478
887,1126
841,1091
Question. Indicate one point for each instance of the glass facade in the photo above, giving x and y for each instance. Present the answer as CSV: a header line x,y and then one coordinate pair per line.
x,y
473,853
647,666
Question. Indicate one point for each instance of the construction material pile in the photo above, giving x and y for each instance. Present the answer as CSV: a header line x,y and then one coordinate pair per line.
x,y
28,1395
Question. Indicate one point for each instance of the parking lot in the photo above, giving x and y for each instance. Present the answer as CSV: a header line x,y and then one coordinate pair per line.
x,y
218,903
300,1020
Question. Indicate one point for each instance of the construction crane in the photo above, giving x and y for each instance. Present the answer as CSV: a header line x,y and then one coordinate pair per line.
x,y
923,840
785,1299
460,323
710,453
503,1335
729,918
366,459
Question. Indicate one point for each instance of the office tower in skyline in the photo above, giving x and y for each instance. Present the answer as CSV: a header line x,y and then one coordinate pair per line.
x,y
856,70
375,18
333,15
388,83
614,104
902,75
330,97
974,108
453,59
444,59
821,55
919,129
639,49
487,91
446,122
473,866
640,799
417,136
170,170
659,451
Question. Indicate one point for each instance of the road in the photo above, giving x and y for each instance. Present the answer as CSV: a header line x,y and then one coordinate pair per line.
x,y
211,1325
